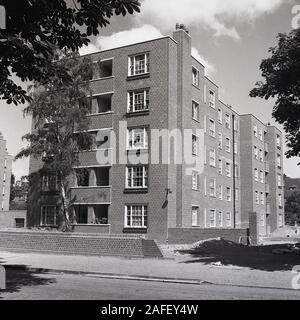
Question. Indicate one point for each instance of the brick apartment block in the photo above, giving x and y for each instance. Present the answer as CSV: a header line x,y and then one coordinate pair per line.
x,y
157,84
5,175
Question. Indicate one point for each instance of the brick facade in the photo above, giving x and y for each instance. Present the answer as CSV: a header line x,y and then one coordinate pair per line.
x,y
169,198
5,175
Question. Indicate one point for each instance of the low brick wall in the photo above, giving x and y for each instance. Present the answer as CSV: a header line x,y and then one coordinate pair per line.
x,y
191,235
8,218
92,228
74,243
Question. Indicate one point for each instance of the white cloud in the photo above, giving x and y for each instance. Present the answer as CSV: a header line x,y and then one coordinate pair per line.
x,y
209,67
90,48
218,15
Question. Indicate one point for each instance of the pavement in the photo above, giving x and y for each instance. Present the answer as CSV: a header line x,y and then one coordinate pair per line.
x,y
175,269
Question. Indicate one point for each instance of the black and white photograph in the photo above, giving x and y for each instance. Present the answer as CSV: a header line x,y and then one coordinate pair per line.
x,y
149,154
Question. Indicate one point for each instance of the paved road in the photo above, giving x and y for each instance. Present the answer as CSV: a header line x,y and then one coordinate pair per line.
x,y
68,286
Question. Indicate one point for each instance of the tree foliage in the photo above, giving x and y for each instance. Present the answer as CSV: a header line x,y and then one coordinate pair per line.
x,y
281,73
34,28
292,208
60,120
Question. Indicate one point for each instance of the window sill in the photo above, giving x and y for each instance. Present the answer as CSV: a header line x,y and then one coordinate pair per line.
x,y
136,190
137,113
138,76
196,120
195,86
100,113
135,230
103,78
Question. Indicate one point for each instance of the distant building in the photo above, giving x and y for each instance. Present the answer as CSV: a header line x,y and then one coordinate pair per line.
x,y
5,175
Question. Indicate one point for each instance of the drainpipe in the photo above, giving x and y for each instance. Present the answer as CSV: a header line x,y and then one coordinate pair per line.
x,y
233,171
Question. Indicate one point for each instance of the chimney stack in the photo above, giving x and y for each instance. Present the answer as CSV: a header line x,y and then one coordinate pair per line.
x,y
181,26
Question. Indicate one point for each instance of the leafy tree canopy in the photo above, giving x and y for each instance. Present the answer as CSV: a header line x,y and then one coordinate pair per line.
x,y
281,73
34,28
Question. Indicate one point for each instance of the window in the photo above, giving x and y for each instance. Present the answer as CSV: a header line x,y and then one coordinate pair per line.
x,y
261,155
262,220
237,171
220,115
102,69
228,194
195,180
255,153
138,100
235,147
278,141
280,220
137,138
228,169
256,197
5,163
49,182
279,200
227,144
220,166
220,219
279,180
212,218
195,216
195,110
212,157
4,177
195,77
136,216
255,174
237,194
235,125
220,140
139,64
212,99
49,215
137,177
212,128
212,187
3,191
261,176
278,160
220,192
194,145
262,198
260,135
227,121
228,219
255,130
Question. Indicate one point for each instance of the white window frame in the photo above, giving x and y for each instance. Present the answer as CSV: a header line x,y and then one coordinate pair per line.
x,y
256,197
212,99
131,133
228,169
56,209
261,176
255,130
195,106
220,140
228,195
195,175
220,218
195,143
212,191
143,207
228,146
195,216
220,115
278,141
212,128
133,98
260,134
130,171
212,159
256,174
279,180
279,196
261,155
212,223
227,121
220,192
220,166
228,221
262,198
278,160
255,153
195,76
132,68
235,148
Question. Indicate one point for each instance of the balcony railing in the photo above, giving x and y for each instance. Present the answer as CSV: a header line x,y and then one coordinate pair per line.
x,y
102,85
91,195
100,120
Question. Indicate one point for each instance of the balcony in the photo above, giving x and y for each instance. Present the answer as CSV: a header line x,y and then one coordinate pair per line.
x,y
91,195
267,188
98,157
267,167
100,120
102,85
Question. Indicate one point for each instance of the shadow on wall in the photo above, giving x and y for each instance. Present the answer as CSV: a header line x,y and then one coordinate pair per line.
x,y
266,258
17,277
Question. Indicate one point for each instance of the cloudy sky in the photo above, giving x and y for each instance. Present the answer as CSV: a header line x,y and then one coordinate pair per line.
x,y
230,37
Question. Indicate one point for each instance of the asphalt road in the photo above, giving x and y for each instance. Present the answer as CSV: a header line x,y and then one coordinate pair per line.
x,y
67,286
